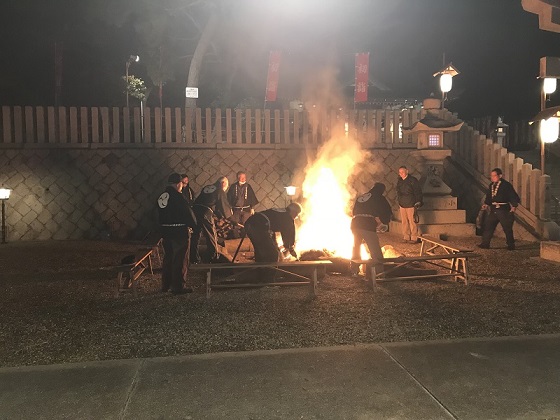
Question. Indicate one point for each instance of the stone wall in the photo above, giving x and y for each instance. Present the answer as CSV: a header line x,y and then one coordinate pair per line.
x,y
65,193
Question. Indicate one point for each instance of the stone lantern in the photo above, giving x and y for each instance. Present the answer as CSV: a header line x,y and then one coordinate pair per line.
x,y
501,130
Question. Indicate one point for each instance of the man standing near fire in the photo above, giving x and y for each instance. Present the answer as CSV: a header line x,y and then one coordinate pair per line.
x,y
409,197
176,219
211,201
261,229
371,214
501,203
188,192
242,199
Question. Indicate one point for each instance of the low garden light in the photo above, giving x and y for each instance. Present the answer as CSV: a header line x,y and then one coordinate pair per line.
x,y
4,195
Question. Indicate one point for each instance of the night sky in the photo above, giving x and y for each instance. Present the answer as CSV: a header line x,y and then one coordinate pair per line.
x,y
494,43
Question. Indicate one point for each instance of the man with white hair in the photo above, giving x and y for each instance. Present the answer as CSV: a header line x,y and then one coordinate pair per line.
x,y
242,199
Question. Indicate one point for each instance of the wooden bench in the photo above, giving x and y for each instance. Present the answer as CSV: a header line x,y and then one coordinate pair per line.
x,y
457,263
281,267
128,274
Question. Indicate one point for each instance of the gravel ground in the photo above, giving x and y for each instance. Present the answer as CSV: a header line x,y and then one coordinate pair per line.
x,y
56,306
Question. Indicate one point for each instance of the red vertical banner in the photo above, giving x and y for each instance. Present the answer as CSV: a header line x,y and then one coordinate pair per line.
x,y
273,76
361,77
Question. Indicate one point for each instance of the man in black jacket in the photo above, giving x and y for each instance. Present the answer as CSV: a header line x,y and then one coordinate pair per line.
x,y
261,229
371,213
212,201
242,200
501,203
187,192
175,219
409,196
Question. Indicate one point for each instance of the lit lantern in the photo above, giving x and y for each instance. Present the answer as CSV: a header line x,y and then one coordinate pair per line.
x,y
5,193
549,85
549,130
291,190
445,82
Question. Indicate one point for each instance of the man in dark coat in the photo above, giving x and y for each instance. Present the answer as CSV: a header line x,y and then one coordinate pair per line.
x,y
187,192
261,229
212,201
242,199
175,219
371,214
409,197
501,203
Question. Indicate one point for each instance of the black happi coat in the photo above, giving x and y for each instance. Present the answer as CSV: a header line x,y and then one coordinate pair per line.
x,y
281,221
505,194
367,207
174,209
242,195
213,197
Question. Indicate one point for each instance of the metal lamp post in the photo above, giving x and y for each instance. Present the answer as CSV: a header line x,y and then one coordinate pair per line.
x,y
4,195
131,59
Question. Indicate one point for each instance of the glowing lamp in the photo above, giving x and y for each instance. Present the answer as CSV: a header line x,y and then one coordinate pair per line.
x,y
291,190
549,130
445,82
549,85
5,193
134,58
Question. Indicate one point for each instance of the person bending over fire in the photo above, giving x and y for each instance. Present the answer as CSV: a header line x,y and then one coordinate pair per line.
x,y
261,229
371,214
212,201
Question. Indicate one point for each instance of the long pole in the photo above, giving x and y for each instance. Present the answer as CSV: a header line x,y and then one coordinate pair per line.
x,y
3,221
543,106
127,64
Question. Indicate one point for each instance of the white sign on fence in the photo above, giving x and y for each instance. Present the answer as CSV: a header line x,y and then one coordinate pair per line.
x,y
191,92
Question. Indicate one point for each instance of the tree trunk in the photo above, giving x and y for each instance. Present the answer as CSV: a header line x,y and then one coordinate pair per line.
x,y
199,52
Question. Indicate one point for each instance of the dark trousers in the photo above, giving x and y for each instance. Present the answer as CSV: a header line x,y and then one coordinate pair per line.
x,y
176,240
263,239
503,216
372,241
240,216
204,226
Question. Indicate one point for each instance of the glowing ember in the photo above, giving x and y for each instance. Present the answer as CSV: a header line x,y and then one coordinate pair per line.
x,y
327,199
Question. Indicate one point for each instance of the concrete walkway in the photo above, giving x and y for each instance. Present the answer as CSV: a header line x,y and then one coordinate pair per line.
x,y
503,378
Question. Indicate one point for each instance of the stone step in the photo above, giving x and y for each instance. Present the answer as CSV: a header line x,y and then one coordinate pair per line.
x,y
439,203
452,229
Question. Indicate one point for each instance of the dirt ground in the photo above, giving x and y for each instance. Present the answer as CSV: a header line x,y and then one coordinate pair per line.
x,y
57,305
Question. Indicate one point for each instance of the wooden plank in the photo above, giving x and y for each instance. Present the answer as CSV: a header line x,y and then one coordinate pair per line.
x,y
314,122
379,135
218,125
209,138
157,125
188,125
147,125
534,190
137,125
178,126
51,124
40,114
29,125
324,131
397,127
95,125
18,124
238,126
277,133
258,126
105,124
267,139
74,136
62,125
126,125
6,125
305,135
388,119
248,126
116,135
229,132
287,126
198,126
84,125
296,138
168,127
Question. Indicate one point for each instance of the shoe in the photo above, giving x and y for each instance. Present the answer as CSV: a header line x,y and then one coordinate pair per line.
x,y
511,247
182,291
483,246
415,241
